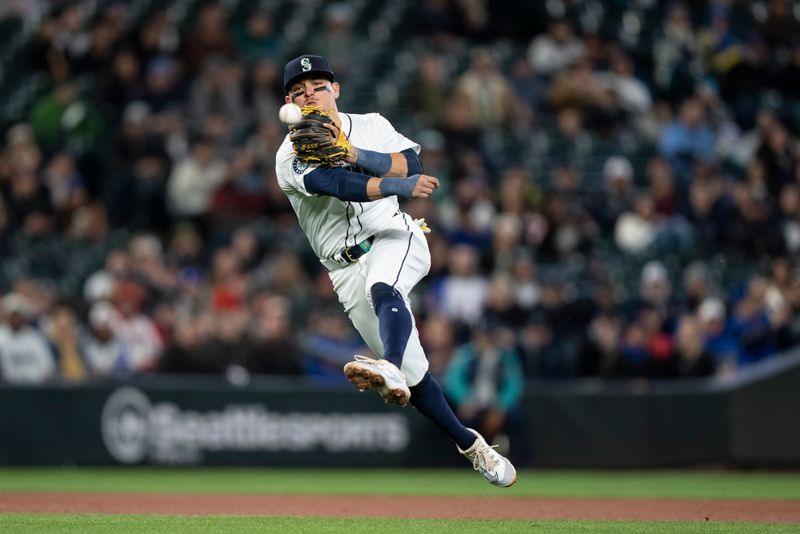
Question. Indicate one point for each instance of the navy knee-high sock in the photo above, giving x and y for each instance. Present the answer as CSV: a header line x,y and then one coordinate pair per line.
x,y
394,321
428,399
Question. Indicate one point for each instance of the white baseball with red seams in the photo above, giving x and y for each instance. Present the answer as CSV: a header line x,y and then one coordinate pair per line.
x,y
290,114
399,256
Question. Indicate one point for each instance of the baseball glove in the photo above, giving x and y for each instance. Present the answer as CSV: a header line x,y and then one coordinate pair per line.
x,y
314,143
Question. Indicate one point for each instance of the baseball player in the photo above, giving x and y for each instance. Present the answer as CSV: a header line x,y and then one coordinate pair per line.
x,y
343,174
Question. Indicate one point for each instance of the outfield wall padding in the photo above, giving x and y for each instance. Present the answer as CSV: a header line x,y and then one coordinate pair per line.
x,y
751,419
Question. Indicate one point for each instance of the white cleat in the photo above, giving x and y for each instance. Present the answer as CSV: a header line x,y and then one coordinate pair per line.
x,y
382,375
491,464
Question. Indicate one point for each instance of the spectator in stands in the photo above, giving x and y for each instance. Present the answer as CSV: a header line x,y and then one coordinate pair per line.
x,y
500,306
337,41
99,51
191,349
230,343
135,195
753,324
272,347
283,275
64,117
698,285
164,87
789,204
99,286
256,38
675,44
579,88
105,353
485,383
229,281
778,155
787,79
464,290
646,347
5,226
208,36
540,353
468,216
718,335
328,342
193,181
688,138
136,329
240,198
157,36
571,230
528,84
663,188
490,96
754,216
632,95
506,241
261,93
462,136
430,90
746,145
635,230
742,83
217,91
708,210
439,339
25,356
780,25
66,186
555,50
600,353
526,282
779,300
63,329
655,288
690,358
617,194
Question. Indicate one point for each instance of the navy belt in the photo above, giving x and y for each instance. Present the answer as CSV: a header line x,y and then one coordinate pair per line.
x,y
351,254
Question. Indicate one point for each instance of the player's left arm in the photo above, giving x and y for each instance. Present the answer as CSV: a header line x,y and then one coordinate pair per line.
x,y
358,187
390,165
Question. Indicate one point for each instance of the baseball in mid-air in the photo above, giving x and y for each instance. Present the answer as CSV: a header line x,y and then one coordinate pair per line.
x,y
290,113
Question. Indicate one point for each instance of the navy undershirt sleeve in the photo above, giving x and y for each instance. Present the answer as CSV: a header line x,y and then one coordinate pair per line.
x,y
339,183
414,163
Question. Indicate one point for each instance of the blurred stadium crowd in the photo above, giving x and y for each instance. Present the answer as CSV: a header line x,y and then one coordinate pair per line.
x,y
621,188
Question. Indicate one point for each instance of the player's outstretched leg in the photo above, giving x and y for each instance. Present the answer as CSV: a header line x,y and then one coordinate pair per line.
x,y
428,399
491,464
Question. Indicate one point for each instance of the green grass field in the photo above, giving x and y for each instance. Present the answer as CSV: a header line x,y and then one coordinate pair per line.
x,y
627,484
90,524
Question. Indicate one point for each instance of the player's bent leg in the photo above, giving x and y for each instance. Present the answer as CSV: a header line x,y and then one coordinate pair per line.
x,y
382,375
394,321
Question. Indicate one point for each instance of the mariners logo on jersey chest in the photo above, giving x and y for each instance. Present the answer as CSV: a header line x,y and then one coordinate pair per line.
x,y
299,166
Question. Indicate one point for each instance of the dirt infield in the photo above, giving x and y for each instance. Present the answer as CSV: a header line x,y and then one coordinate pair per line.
x,y
778,511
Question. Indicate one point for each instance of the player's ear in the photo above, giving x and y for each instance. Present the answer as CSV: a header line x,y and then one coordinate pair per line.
x,y
288,99
336,88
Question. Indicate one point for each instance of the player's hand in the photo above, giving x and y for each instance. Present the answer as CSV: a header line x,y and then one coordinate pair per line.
x,y
425,186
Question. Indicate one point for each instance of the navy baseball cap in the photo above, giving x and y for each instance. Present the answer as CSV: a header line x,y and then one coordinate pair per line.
x,y
303,66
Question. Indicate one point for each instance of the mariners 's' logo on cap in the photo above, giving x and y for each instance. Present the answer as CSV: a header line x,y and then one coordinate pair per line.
x,y
306,64
299,166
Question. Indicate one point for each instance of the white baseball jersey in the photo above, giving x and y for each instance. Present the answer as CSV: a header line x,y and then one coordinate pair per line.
x,y
332,224
399,255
